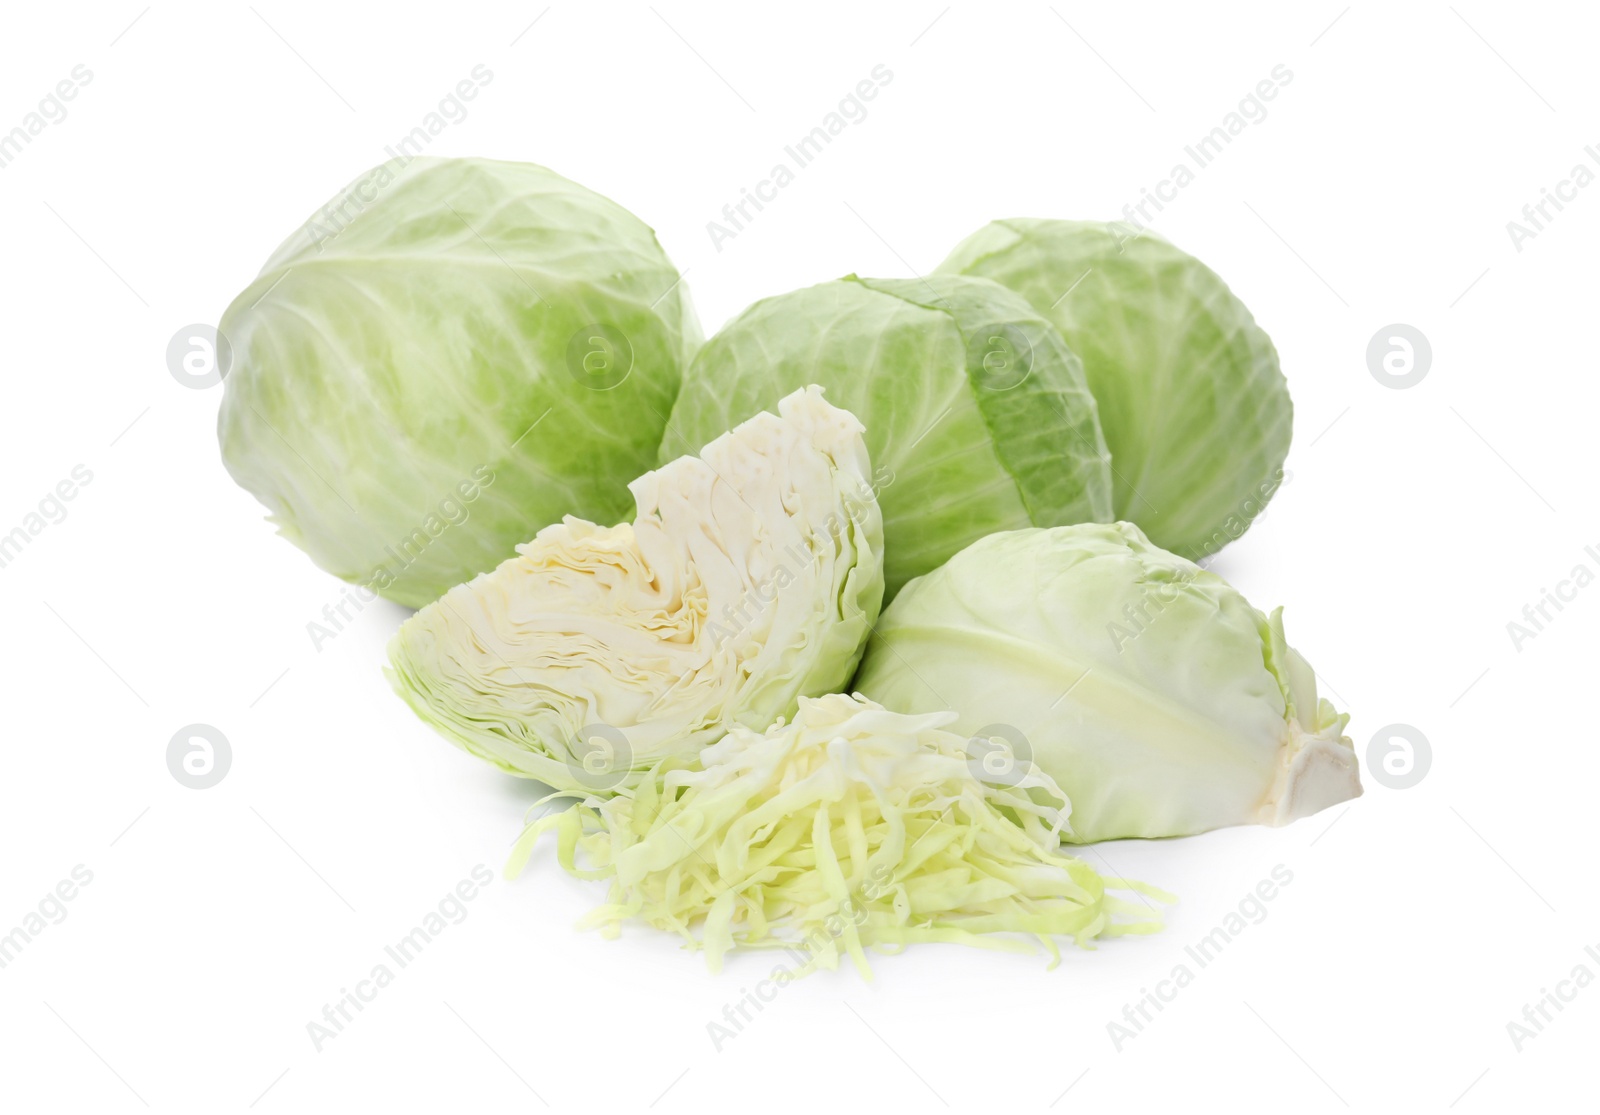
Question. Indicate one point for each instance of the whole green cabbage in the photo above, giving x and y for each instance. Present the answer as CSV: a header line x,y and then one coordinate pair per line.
x,y
978,417
451,354
1194,408
1158,699
750,576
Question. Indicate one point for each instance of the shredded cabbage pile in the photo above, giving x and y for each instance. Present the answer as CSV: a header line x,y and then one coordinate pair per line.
x,y
851,827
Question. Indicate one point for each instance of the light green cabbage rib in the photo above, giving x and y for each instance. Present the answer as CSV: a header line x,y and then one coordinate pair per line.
x,y
851,828
750,576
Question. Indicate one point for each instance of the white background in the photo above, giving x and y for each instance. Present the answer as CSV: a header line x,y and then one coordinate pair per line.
x,y
1418,523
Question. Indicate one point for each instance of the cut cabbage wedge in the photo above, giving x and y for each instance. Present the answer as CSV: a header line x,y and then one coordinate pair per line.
x,y
750,577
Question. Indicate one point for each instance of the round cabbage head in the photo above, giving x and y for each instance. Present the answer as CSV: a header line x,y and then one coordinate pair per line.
x,y
1159,700
449,355
750,576
977,414
1194,408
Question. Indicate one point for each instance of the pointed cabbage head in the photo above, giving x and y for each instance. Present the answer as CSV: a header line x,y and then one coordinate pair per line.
x,y
1149,689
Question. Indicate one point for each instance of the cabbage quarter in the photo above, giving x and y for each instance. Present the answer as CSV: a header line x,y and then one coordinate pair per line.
x,y
750,577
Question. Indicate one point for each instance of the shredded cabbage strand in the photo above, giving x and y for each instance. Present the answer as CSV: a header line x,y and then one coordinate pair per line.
x,y
849,828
